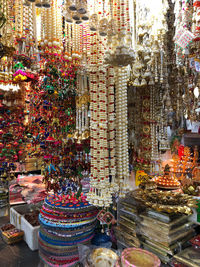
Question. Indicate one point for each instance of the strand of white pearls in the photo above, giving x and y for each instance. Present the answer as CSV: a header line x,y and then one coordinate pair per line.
x,y
100,193
34,27
80,40
70,42
114,187
45,26
152,129
125,134
53,25
30,17
82,122
66,48
42,28
93,137
18,18
93,130
25,27
51,30
73,40
31,31
122,159
59,28
102,125
111,120
50,27
24,21
154,134
84,49
88,42
69,38
86,93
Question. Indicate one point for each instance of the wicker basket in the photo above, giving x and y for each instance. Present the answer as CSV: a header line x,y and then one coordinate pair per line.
x,y
12,236
7,227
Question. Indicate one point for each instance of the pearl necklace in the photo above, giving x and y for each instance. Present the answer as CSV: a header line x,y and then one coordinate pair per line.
x,y
102,135
154,136
52,29
82,122
122,54
68,42
24,29
31,38
111,121
122,158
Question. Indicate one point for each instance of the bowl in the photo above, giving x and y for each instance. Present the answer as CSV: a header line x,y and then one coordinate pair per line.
x,y
102,257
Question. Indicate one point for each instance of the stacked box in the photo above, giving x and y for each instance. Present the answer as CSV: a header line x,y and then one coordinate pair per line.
x,y
189,257
127,233
164,234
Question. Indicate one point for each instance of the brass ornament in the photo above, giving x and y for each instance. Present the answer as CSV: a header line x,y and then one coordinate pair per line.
x,y
166,201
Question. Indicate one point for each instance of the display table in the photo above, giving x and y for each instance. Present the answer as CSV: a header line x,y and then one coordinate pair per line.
x,y
29,188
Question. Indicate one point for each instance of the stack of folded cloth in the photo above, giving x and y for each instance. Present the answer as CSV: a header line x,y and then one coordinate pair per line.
x,y
128,220
62,227
165,234
30,189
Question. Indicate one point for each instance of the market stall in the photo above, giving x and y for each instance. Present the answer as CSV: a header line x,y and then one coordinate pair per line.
x,y
100,131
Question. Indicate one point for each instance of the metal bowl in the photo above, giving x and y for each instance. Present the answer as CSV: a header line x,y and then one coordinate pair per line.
x,y
102,257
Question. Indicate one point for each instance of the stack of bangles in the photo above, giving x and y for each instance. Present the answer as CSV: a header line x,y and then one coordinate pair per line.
x,y
62,227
